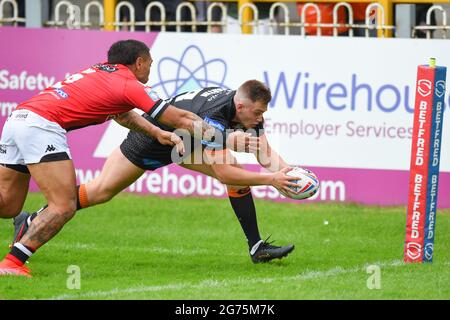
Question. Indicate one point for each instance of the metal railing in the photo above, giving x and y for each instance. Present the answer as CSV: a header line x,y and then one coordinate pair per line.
x,y
73,20
14,19
428,27
69,15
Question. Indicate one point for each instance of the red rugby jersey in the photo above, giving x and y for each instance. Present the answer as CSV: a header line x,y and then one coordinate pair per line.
x,y
93,96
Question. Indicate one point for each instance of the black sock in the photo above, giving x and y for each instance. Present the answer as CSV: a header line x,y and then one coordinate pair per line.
x,y
21,252
245,211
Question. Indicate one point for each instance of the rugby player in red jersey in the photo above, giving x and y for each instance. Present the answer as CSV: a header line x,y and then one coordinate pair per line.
x,y
226,110
34,144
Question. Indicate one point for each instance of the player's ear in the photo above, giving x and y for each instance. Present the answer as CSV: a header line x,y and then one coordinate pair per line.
x,y
139,61
239,106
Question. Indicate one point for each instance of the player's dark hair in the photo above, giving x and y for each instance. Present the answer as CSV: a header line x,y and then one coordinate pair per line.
x,y
256,91
127,51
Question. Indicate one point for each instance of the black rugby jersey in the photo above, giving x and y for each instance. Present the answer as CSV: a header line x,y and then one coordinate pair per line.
x,y
214,105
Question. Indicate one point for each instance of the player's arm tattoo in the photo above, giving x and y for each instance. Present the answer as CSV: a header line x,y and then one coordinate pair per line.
x,y
182,119
135,122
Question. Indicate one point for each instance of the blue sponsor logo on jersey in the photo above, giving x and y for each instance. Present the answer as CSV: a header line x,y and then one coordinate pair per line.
x,y
60,92
217,125
106,67
214,123
212,145
152,94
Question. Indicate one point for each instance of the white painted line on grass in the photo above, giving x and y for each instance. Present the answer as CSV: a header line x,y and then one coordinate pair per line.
x,y
211,283
162,250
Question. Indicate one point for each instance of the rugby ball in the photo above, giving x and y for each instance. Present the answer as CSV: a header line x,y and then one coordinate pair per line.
x,y
309,184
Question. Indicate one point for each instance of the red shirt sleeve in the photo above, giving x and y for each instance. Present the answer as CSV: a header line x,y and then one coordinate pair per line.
x,y
140,96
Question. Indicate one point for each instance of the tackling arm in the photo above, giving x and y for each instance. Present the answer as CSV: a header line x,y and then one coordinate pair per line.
x,y
135,122
182,119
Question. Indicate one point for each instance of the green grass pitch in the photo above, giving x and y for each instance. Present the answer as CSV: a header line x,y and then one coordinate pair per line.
x,y
138,247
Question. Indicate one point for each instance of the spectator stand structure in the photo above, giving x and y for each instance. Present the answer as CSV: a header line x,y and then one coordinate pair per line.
x,y
106,15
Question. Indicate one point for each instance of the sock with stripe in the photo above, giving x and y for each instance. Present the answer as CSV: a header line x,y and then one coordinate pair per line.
x,y
20,253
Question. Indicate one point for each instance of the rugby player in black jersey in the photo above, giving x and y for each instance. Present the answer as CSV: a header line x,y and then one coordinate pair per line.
x,y
238,115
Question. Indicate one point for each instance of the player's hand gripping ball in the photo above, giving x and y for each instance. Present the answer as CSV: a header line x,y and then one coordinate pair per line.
x,y
308,181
